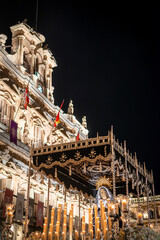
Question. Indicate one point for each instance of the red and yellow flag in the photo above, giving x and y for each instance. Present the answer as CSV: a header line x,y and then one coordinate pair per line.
x,y
77,138
57,120
26,96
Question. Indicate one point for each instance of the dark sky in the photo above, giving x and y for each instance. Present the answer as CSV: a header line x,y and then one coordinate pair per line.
x,y
108,64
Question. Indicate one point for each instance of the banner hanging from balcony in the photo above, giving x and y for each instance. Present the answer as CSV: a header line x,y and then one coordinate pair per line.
x,y
39,222
19,207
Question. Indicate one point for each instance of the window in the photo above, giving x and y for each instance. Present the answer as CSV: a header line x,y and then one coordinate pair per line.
x,y
40,88
37,136
5,111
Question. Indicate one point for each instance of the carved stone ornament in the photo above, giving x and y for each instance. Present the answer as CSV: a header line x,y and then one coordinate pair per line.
x,y
5,156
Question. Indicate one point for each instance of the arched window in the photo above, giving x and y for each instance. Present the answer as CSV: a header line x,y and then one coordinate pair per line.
x,y
37,134
5,112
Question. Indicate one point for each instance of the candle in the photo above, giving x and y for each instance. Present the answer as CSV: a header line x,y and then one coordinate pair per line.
x,y
9,218
102,217
151,226
90,222
89,218
65,211
98,234
105,224
83,227
24,226
139,218
109,223
96,224
71,223
63,236
51,228
43,236
106,234
56,236
117,208
83,224
49,236
91,233
57,226
44,227
112,210
76,235
64,230
124,205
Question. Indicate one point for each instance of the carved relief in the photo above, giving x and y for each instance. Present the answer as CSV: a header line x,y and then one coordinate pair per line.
x,y
70,108
5,156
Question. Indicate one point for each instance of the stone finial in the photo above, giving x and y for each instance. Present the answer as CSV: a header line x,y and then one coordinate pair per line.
x,y
84,122
3,39
70,108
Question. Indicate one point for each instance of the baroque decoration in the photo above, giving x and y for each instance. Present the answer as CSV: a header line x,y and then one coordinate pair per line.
x,y
73,188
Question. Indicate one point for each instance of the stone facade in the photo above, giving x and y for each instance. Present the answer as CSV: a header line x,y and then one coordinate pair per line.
x,y
31,63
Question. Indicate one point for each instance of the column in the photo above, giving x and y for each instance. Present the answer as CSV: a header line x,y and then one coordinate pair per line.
x,y
28,193
20,60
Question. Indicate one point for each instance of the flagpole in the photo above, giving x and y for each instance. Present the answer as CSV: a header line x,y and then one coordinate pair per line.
x,y
48,208
28,192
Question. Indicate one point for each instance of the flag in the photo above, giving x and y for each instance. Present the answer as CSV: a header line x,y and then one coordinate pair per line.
x,y
13,132
77,138
57,120
19,207
26,96
57,117
8,198
31,210
39,214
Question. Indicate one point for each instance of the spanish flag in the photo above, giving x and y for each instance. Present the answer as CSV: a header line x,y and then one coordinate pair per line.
x,y
57,121
77,138
26,96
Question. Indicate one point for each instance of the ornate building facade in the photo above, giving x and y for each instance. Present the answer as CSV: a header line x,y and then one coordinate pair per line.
x,y
30,63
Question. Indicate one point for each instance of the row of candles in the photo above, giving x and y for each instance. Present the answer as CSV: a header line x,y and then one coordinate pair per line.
x,y
64,227
100,223
101,226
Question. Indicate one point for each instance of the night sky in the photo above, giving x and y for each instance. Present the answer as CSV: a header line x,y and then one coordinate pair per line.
x,y
108,60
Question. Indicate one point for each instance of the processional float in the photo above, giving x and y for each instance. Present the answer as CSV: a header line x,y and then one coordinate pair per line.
x,y
82,166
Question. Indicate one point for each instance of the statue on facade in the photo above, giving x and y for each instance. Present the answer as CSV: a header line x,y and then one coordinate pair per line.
x,y
70,108
25,134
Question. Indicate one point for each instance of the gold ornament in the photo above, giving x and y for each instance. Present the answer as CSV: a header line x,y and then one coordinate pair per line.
x,y
103,181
